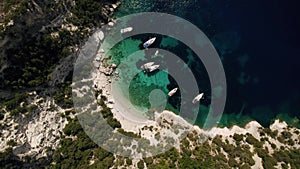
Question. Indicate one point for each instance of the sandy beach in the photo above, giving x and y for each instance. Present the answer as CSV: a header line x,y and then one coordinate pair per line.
x,y
130,117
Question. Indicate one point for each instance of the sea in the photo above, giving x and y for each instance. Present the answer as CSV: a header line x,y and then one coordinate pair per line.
x,y
258,44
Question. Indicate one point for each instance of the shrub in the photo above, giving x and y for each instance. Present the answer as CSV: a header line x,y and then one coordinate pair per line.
x,y
15,102
232,163
273,145
129,134
17,111
140,164
245,166
253,141
2,112
114,123
269,162
72,128
238,137
11,143
286,134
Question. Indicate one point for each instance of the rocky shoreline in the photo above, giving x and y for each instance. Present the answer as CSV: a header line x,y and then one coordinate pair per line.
x,y
171,126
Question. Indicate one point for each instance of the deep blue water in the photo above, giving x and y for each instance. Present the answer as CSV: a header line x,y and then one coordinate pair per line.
x,y
266,33
269,35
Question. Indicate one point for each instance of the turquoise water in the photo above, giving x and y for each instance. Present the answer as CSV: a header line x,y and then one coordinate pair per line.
x,y
129,57
128,53
261,70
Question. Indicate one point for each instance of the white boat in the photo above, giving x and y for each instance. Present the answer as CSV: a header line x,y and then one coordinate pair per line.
x,y
172,92
197,98
149,42
147,65
156,53
152,68
125,30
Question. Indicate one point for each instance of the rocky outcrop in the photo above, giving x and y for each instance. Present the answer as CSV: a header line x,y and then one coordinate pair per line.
x,y
36,133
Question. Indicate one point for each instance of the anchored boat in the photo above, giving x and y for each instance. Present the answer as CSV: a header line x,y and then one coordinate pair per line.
x,y
146,65
149,67
197,98
149,42
172,92
125,30
152,68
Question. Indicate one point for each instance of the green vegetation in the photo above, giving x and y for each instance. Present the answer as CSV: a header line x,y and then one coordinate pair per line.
x,y
169,159
238,137
64,96
271,133
253,141
17,105
108,115
2,112
11,143
34,57
285,138
80,151
87,12
129,134
34,60
291,157
73,127
268,161
8,159
15,102
11,4
241,152
140,164
38,55
12,9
